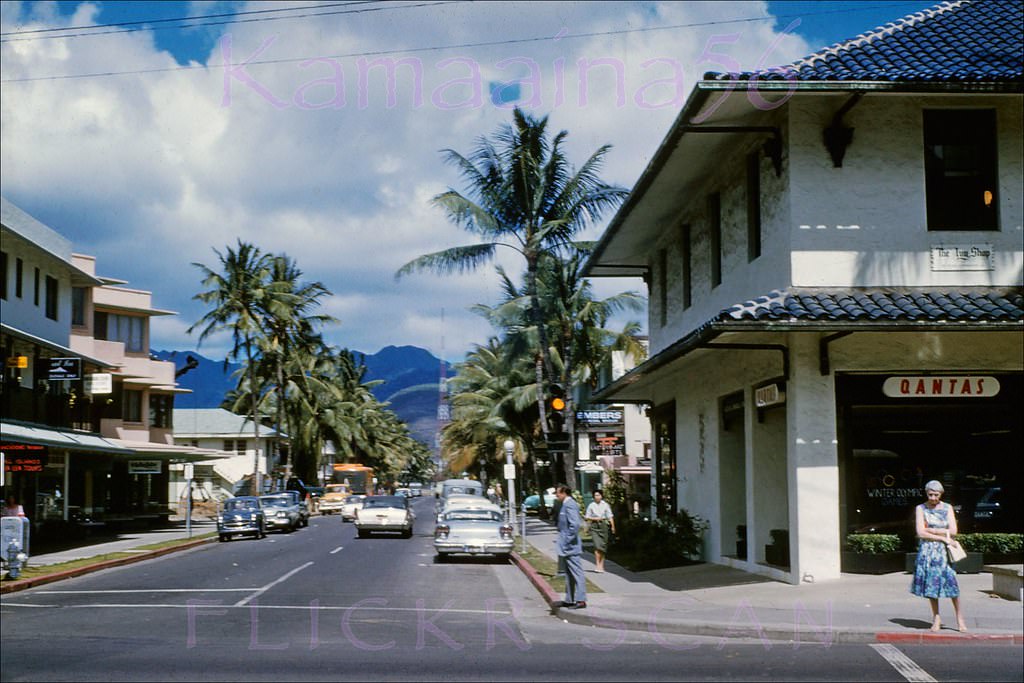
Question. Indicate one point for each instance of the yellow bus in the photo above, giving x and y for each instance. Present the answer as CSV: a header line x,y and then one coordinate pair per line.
x,y
358,478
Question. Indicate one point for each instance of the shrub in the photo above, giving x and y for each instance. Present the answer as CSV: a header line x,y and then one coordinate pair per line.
x,y
669,541
872,544
992,543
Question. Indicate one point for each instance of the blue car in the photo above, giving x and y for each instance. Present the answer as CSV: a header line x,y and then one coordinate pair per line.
x,y
531,504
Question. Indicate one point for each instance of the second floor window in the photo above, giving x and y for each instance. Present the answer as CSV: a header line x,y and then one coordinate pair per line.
x,y
52,290
715,237
234,446
687,263
127,329
960,169
161,407
78,305
131,406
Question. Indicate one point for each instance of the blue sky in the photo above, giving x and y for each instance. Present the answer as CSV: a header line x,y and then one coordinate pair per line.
x,y
165,163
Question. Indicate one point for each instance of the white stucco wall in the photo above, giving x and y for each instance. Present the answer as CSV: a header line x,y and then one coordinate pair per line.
x,y
865,224
22,312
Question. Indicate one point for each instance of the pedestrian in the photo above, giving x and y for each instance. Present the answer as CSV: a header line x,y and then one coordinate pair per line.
x,y
602,526
12,509
934,577
570,548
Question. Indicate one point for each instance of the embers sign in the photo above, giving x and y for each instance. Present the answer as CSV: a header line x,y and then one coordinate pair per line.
x,y
941,386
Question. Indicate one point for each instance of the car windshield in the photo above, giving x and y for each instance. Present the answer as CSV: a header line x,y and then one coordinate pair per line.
x,y
384,502
355,499
277,501
240,504
475,515
335,488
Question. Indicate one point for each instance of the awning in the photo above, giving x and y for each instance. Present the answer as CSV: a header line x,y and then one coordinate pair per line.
x,y
171,452
61,439
53,346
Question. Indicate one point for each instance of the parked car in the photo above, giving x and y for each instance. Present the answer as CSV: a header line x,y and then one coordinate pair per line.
x,y
352,505
404,492
281,512
384,513
300,501
333,498
416,489
473,530
241,516
531,504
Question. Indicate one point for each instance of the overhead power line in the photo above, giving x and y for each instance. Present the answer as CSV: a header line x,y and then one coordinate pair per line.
x,y
435,48
383,7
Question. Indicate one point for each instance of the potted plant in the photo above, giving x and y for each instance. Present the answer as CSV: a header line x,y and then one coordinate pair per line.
x,y
976,557
777,552
741,541
994,548
872,554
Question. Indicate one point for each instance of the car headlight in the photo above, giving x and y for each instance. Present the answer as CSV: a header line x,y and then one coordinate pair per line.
x,y
282,513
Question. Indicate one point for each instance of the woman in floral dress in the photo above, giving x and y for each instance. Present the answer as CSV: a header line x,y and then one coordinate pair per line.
x,y
934,578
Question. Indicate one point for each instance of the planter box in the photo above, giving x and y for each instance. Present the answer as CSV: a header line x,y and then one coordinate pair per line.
x,y
741,550
873,563
972,564
777,555
1004,558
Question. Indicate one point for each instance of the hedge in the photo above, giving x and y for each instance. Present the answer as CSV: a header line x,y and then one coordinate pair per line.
x,y
872,544
992,543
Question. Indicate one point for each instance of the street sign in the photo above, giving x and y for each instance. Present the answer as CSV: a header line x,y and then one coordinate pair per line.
x,y
510,471
190,471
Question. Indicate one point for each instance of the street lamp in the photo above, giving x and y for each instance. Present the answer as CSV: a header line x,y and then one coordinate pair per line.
x,y
510,477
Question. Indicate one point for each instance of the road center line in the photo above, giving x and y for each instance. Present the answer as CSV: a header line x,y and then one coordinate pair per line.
x,y
339,548
150,590
270,585
906,666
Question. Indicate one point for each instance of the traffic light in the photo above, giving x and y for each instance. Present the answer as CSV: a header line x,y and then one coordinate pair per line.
x,y
555,407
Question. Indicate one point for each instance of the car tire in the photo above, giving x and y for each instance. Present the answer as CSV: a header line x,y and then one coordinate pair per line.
x,y
362,534
224,538
407,533
441,558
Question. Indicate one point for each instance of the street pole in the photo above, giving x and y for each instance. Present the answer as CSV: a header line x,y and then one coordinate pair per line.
x,y
510,478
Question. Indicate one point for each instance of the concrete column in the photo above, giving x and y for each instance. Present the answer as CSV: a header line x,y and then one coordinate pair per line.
x,y
813,464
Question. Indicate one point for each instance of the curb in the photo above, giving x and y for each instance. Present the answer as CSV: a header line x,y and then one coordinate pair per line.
x,y
949,639
538,581
23,584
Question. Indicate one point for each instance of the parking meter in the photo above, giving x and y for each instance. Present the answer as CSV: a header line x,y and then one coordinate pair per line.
x,y
14,547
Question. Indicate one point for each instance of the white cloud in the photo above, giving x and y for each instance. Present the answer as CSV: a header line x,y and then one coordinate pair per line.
x,y
151,171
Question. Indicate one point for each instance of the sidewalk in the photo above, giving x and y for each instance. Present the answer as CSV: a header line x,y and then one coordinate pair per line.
x,y
714,600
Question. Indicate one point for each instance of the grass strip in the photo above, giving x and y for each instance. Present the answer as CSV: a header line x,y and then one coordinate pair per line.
x,y
548,569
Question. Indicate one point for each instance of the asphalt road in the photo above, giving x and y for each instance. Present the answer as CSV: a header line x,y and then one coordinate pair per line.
x,y
320,604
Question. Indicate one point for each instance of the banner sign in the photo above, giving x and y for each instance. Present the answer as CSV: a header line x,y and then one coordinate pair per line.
x,y
23,457
936,386
144,467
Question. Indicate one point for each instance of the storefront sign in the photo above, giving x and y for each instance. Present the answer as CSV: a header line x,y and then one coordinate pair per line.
x,y
960,257
599,417
936,386
62,368
99,383
144,467
23,457
611,444
18,362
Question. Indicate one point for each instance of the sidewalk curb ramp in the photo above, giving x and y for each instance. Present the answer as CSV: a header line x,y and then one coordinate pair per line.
x,y
8,586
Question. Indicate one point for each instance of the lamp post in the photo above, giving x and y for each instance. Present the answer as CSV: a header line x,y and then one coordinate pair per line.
x,y
510,477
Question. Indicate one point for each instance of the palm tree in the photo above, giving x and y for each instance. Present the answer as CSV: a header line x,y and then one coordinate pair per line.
x,y
238,296
524,195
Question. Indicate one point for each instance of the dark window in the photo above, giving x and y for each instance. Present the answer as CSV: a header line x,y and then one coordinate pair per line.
x,y
35,288
664,424
233,446
687,259
715,237
51,297
3,275
960,169
19,272
160,410
78,305
753,206
662,287
127,329
132,406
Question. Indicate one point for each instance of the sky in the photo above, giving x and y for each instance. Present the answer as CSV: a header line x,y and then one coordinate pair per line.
x,y
124,131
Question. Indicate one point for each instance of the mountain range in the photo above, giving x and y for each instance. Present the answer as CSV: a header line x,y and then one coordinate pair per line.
x,y
410,377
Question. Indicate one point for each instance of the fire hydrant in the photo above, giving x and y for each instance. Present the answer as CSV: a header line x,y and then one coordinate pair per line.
x,y
16,559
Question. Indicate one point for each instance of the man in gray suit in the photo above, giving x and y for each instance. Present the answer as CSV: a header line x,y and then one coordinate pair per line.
x,y
570,548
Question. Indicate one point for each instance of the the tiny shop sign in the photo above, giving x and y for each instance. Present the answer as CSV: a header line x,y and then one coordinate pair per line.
x,y
941,386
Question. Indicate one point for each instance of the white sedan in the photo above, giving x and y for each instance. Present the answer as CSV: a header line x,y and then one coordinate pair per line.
x,y
384,513
478,530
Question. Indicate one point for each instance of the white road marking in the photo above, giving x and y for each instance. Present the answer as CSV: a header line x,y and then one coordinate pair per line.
x,y
334,608
906,666
23,604
338,549
261,591
151,590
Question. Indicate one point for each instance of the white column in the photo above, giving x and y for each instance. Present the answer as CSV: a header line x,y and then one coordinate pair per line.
x,y
813,464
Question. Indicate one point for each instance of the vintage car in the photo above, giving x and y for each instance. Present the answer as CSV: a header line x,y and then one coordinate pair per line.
x,y
333,499
531,504
281,512
352,505
473,530
384,513
241,516
302,504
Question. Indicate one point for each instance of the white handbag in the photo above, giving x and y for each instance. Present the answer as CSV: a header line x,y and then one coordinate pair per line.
x,y
955,551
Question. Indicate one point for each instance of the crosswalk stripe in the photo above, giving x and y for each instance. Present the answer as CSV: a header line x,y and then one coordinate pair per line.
x,y
906,666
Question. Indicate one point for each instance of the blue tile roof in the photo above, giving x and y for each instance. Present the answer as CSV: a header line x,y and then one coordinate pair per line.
x,y
882,305
965,41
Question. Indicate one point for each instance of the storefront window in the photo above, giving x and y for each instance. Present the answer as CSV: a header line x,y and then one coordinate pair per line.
x,y
664,419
